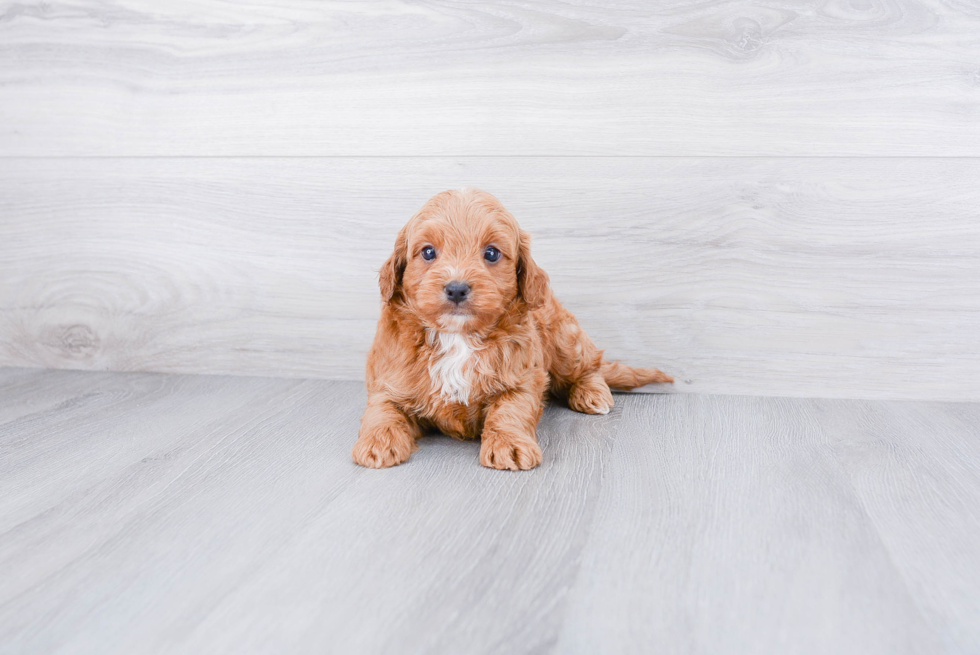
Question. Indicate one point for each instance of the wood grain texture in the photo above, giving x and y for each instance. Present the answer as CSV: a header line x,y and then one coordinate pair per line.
x,y
801,277
440,555
727,525
210,514
214,514
916,469
845,77
28,391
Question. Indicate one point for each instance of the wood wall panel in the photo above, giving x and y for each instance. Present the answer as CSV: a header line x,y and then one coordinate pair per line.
x,y
811,277
682,78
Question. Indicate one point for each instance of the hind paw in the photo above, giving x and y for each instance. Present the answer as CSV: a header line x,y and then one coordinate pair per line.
x,y
590,395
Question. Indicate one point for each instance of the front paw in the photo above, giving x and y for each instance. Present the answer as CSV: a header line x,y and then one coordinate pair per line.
x,y
383,447
506,452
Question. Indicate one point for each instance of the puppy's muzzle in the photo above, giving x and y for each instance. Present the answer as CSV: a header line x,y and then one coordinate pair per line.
x,y
457,291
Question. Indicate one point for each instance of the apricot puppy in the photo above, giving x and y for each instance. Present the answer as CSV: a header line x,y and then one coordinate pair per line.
x,y
471,339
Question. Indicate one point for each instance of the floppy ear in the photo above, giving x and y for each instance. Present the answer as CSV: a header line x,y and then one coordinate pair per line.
x,y
532,281
390,275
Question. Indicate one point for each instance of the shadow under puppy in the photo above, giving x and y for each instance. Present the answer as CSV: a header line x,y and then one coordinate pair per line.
x,y
471,339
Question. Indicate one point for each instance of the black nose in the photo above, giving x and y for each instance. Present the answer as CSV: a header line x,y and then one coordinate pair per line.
x,y
457,291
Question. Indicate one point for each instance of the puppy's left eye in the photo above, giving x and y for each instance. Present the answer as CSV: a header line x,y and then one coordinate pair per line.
x,y
491,254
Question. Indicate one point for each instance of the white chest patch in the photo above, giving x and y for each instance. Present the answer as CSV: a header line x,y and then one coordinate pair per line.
x,y
450,369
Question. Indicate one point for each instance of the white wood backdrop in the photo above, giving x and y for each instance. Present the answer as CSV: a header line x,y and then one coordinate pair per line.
x,y
773,198
802,276
396,77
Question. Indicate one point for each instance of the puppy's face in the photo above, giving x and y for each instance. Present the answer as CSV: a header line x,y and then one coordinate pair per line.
x,y
460,262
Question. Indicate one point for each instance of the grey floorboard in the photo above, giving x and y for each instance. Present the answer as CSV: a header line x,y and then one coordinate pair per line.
x,y
24,391
726,525
440,555
916,469
149,513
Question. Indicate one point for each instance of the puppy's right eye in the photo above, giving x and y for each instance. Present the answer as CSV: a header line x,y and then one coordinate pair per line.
x,y
428,253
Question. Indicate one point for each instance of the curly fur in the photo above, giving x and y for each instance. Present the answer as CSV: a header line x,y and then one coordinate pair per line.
x,y
482,368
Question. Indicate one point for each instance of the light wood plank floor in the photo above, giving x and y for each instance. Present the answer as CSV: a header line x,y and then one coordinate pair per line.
x,y
151,513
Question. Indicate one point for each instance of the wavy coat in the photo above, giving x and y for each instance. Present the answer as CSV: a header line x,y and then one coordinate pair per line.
x,y
483,366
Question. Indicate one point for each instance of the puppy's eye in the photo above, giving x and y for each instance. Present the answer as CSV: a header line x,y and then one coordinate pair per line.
x,y
428,253
491,254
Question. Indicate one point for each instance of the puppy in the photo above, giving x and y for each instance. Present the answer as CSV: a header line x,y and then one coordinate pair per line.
x,y
471,339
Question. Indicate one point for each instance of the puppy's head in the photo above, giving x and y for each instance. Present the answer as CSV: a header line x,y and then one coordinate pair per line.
x,y
461,261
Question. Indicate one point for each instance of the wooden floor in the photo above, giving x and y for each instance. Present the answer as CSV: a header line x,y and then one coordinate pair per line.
x,y
151,513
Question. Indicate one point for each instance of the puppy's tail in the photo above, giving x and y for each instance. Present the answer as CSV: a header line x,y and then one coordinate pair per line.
x,y
623,377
